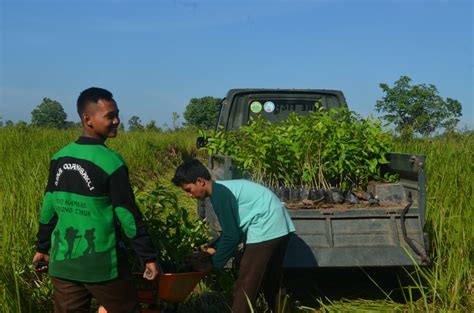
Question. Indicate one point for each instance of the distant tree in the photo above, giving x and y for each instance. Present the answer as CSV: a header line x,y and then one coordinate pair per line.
x,y
21,124
71,124
1,120
417,108
152,126
202,112
135,124
121,127
175,118
50,114
9,123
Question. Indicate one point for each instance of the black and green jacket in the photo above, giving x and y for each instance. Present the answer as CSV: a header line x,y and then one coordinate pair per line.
x,y
87,205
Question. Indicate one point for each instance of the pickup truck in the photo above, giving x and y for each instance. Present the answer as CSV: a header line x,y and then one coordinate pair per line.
x,y
378,236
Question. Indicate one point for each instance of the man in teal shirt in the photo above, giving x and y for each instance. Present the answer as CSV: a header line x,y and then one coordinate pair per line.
x,y
249,213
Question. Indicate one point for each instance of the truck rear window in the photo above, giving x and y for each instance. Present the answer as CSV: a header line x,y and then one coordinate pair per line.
x,y
279,109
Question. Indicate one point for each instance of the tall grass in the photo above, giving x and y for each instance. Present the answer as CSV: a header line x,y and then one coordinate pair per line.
x,y
447,285
450,220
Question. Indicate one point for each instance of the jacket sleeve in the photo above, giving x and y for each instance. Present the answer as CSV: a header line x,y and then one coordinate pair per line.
x,y
129,216
226,209
48,217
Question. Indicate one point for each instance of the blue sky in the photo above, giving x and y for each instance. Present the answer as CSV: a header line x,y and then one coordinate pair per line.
x,y
157,55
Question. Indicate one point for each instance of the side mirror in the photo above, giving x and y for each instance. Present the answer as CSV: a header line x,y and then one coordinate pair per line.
x,y
201,142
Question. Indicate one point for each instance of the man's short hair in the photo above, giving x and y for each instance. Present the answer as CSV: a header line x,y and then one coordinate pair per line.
x,y
91,95
189,172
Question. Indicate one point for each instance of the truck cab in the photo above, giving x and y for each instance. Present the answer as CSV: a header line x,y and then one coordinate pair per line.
x,y
358,237
275,104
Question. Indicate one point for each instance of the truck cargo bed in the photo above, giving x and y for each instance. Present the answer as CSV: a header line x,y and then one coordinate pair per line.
x,y
389,234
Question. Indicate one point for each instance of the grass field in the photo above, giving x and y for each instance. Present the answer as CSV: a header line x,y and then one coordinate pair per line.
x,y
447,285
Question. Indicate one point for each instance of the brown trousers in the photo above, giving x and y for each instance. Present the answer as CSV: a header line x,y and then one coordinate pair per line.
x,y
117,296
260,271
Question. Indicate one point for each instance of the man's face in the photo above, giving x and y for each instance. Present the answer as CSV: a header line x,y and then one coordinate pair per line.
x,y
196,190
102,119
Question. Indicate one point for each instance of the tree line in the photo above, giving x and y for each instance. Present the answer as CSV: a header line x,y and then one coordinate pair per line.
x,y
411,109
200,112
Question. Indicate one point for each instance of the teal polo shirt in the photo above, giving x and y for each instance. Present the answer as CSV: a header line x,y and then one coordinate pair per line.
x,y
246,211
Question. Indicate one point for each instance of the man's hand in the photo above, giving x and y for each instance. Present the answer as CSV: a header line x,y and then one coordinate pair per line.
x,y
40,262
210,250
201,261
152,270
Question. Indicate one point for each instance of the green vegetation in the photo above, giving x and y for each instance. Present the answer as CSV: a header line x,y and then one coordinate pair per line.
x,y
450,220
170,225
50,114
135,124
319,150
202,112
447,285
418,108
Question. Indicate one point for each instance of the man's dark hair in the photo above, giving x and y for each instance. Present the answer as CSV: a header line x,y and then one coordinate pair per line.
x,y
91,95
189,172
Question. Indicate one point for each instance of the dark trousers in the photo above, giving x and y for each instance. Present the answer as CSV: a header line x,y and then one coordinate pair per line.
x,y
260,271
117,296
